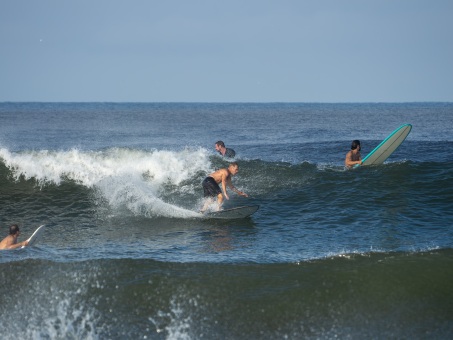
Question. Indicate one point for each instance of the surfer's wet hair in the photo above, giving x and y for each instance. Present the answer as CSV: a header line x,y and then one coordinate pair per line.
x,y
13,229
220,143
355,144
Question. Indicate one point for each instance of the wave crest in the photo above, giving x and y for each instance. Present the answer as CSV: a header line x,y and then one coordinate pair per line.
x,y
124,177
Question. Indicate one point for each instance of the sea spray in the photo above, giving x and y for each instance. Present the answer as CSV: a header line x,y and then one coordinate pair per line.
x,y
123,177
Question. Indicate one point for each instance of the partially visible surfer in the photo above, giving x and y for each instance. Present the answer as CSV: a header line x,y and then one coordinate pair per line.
x,y
10,241
223,150
353,157
212,189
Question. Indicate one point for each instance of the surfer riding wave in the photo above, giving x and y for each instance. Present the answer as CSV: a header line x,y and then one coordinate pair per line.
x,y
212,189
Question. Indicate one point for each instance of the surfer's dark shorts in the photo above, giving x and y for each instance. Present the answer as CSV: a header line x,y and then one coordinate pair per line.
x,y
210,187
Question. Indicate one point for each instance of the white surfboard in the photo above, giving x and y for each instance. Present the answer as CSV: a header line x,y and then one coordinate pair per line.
x,y
383,151
233,213
34,238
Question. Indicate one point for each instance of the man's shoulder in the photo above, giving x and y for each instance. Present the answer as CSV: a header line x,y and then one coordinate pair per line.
x,y
219,172
223,173
230,152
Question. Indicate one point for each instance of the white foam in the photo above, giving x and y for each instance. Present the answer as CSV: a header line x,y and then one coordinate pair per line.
x,y
124,177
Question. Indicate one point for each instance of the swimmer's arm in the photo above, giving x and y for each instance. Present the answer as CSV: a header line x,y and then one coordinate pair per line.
x,y
17,245
348,162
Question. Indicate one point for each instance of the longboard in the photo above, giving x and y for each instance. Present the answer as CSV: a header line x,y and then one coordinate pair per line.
x,y
383,151
34,238
233,213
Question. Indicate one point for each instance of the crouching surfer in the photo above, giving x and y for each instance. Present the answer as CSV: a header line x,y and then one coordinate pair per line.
x,y
212,189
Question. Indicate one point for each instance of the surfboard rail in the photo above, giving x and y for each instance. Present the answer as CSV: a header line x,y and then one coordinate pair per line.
x,y
233,213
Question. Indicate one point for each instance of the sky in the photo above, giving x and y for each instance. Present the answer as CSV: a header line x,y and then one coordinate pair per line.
x,y
226,51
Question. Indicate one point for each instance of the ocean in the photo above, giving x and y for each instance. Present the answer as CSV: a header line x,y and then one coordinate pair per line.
x,y
331,253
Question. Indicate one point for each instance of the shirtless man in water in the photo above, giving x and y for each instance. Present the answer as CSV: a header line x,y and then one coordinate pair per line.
x,y
353,157
211,185
10,241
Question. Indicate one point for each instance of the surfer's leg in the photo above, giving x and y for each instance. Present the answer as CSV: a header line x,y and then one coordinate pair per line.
x,y
219,201
207,203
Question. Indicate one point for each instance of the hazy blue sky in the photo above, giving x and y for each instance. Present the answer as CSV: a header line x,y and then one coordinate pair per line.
x,y
226,51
